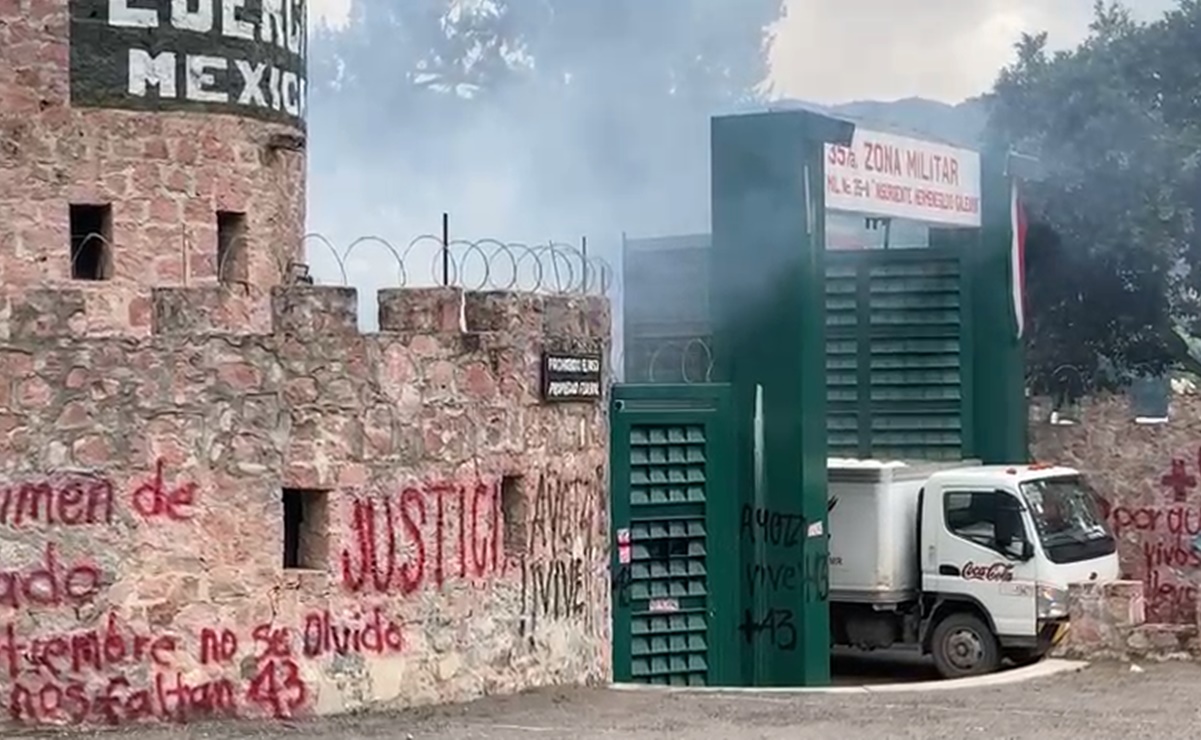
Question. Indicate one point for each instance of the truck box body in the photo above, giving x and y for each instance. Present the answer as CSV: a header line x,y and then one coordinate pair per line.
x,y
873,528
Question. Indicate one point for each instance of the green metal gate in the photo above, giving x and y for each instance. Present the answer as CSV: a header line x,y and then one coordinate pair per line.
x,y
675,591
899,349
898,355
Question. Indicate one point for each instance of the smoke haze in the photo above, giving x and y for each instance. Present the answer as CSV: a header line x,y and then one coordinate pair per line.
x,y
549,120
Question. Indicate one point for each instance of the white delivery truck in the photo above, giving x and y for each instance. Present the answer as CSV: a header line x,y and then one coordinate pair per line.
x,y
970,563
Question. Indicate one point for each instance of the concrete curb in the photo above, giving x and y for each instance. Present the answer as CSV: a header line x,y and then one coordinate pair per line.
x,y
1042,669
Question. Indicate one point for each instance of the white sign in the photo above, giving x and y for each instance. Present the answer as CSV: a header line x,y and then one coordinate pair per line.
x,y
888,175
575,365
573,389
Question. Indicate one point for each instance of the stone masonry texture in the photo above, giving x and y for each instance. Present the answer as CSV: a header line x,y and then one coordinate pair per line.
x,y
1148,477
202,523
165,174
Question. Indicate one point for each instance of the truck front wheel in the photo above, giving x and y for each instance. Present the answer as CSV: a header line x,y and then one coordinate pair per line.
x,y
963,645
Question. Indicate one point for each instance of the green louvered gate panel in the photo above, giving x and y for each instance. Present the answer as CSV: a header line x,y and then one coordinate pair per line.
x,y
897,350
675,527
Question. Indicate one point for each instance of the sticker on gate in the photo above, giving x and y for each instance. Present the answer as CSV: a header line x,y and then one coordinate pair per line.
x,y
625,551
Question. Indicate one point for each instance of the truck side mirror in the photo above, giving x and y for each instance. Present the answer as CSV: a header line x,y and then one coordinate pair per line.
x,y
1027,550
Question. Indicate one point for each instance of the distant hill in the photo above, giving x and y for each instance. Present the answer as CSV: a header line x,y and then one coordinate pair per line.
x,y
962,124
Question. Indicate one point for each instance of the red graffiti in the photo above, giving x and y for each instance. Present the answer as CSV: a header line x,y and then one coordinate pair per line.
x,y
1169,602
993,572
440,491
120,701
1167,552
1175,520
1166,558
391,558
83,652
154,499
412,515
278,688
1179,481
217,646
1167,599
99,676
67,500
49,584
377,635
75,499
272,642
480,550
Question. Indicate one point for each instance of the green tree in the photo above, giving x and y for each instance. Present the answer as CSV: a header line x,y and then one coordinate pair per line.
x,y
1112,255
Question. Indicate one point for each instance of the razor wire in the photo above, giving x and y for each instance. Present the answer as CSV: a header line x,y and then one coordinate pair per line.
x,y
484,264
687,360
690,360
426,261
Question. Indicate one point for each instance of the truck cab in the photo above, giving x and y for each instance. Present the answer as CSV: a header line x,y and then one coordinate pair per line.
x,y
991,551
1002,543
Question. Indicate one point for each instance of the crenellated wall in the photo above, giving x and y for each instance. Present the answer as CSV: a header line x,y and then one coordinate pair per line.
x,y
256,510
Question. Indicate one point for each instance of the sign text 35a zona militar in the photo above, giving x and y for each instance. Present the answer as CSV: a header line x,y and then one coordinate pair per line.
x,y
245,57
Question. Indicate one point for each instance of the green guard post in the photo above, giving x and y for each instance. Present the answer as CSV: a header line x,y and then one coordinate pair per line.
x,y
768,312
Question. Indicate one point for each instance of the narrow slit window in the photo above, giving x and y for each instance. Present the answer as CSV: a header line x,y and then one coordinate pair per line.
x,y
513,511
231,248
306,529
91,241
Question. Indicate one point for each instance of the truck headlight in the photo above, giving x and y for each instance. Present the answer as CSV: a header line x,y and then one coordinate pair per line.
x,y
1052,602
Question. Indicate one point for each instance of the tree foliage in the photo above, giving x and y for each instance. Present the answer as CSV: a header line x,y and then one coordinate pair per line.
x,y
1112,254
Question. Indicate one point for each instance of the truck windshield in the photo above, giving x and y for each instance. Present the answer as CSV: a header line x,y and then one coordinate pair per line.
x,y
1068,518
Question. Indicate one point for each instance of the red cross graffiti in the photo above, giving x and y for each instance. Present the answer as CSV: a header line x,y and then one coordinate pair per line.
x,y
1179,481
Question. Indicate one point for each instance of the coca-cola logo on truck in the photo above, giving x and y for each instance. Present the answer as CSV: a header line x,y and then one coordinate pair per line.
x,y
994,572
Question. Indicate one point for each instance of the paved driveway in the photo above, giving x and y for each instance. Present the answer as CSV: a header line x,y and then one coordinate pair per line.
x,y
1102,702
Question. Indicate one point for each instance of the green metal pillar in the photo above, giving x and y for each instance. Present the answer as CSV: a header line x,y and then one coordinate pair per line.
x,y
999,387
767,297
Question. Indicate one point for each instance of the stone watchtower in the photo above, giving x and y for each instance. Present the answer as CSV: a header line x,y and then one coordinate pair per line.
x,y
150,143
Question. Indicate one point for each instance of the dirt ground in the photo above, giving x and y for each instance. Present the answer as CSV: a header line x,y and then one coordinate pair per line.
x,y
1104,701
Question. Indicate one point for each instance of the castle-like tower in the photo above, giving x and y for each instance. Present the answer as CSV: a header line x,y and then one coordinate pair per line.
x,y
150,143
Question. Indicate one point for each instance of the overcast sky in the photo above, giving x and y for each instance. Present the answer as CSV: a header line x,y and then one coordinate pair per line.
x,y
839,50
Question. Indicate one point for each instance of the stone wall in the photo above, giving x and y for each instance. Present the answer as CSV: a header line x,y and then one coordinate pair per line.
x,y
205,522
1148,474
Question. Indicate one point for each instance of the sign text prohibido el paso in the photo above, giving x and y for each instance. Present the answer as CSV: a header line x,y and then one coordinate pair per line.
x,y
887,175
245,57
568,376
